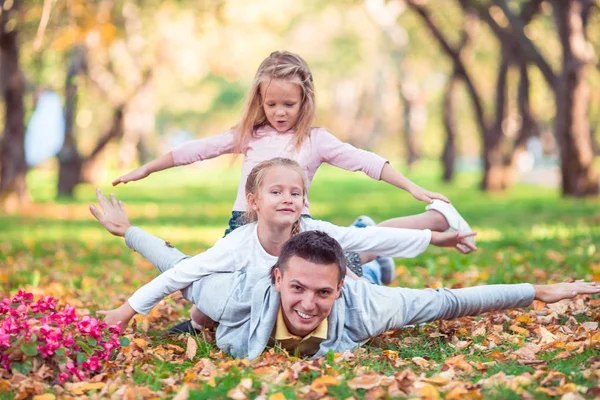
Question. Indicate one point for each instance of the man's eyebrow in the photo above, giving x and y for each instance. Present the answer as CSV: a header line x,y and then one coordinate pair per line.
x,y
297,282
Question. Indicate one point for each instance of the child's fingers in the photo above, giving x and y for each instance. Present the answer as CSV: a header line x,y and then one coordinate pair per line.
x,y
113,200
101,199
96,213
117,181
102,312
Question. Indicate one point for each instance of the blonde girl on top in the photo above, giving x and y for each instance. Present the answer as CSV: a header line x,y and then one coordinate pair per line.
x,y
277,121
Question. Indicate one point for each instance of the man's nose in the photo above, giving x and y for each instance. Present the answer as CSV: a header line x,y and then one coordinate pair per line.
x,y
308,301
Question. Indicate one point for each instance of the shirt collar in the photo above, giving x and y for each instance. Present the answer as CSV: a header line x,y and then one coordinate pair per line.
x,y
282,332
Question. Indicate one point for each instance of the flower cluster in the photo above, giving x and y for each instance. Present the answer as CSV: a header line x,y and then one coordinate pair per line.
x,y
73,347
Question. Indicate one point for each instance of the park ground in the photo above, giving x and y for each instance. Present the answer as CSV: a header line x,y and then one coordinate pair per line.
x,y
527,234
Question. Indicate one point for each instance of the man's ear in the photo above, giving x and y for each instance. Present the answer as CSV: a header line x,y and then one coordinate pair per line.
x,y
339,289
277,274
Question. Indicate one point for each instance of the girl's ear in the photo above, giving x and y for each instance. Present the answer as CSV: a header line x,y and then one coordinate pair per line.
x,y
251,199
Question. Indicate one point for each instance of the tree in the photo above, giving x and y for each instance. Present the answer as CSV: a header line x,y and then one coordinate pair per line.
x,y
13,168
570,85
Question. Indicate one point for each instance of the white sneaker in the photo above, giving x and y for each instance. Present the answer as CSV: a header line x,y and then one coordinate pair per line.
x,y
363,221
455,220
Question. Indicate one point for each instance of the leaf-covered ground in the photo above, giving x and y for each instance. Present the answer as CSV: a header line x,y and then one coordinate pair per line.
x,y
526,235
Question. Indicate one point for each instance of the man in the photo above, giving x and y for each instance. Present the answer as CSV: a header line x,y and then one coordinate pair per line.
x,y
306,305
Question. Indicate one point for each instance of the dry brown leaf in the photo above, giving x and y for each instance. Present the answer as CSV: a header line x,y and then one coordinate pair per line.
x,y
367,381
420,361
192,348
183,393
545,335
527,352
375,393
590,325
459,362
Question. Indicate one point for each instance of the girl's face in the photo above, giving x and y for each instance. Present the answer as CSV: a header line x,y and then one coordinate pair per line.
x,y
280,199
282,100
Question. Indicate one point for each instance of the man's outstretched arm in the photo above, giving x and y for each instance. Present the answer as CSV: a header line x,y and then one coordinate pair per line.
x,y
393,308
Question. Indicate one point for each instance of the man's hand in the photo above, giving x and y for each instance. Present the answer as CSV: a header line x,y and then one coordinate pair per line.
x,y
113,217
120,316
567,290
135,175
454,239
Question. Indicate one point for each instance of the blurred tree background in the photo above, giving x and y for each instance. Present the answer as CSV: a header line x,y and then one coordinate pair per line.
x,y
500,85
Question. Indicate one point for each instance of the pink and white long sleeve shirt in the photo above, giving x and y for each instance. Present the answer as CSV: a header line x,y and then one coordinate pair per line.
x,y
267,143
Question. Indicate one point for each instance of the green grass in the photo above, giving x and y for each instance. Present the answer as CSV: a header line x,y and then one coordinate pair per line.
x,y
527,233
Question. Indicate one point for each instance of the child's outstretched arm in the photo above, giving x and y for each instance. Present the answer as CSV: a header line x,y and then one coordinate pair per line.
x,y
343,155
392,176
163,162
187,153
121,315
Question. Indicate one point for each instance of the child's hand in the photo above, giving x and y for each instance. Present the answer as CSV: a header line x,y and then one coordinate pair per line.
x,y
566,290
454,239
426,196
114,218
120,316
135,175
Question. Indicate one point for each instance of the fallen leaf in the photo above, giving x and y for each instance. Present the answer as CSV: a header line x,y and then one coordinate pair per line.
x,y
519,330
459,362
183,394
81,387
364,382
192,348
45,396
277,396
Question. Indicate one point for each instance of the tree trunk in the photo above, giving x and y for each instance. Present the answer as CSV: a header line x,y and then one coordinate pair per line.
x,y
70,161
572,101
494,171
13,168
414,118
449,116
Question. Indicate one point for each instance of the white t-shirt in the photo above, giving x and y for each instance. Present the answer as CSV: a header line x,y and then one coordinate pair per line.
x,y
241,249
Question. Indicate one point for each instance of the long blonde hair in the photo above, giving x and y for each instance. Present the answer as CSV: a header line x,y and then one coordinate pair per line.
x,y
279,65
256,178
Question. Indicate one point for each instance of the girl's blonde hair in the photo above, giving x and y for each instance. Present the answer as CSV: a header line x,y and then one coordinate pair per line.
x,y
256,179
279,65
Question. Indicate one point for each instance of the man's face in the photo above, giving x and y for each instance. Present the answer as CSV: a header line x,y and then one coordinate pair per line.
x,y
308,292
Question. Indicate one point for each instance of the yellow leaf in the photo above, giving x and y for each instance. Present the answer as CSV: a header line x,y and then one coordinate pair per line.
x,y
81,387
192,347
438,380
320,384
523,319
519,330
429,392
392,354
277,396
45,396
140,342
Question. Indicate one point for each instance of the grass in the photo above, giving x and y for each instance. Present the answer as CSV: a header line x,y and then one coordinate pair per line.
x,y
528,234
